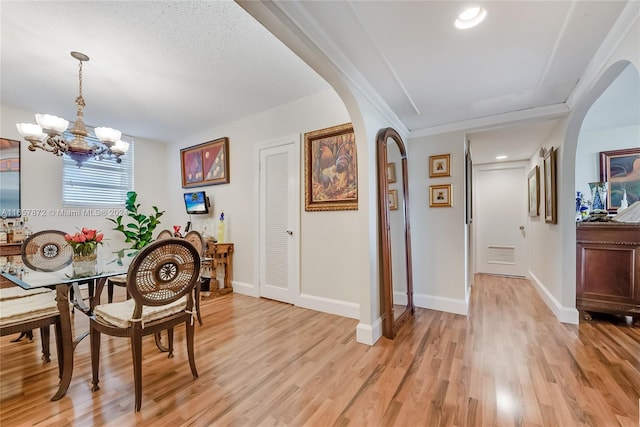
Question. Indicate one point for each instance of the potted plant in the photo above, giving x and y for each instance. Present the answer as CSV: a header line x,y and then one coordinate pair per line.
x,y
139,231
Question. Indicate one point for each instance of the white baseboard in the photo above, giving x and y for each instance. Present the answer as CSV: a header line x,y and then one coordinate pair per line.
x,y
245,288
563,314
369,334
331,306
448,305
325,305
400,298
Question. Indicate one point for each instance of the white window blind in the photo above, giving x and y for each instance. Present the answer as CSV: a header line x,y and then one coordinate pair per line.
x,y
97,182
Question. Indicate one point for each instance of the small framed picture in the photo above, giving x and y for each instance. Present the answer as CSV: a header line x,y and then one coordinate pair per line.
x,y
439,165
534,191
391,173
393,200
440,196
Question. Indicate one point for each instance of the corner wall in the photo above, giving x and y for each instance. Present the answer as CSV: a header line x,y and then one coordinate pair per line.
x,y
438,235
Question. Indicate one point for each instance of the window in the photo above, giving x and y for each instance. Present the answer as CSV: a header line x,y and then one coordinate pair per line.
x,y
97,182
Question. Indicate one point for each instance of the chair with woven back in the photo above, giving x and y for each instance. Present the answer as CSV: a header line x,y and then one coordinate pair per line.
x,y
160,280
24,310
121,280
196,239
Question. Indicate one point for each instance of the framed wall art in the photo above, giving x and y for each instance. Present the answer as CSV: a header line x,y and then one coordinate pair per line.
x,y
10,178
391,173
330,169
393,200
440,196
550,208
205,164
621,170
534,191
439,165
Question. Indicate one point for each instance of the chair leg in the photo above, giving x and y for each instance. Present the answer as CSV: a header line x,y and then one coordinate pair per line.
x,y
95,357
58,333
197,298
45,335
190,351
24,334
109,292
170,339
136,352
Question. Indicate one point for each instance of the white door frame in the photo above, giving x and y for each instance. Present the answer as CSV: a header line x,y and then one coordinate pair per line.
x,y
294,266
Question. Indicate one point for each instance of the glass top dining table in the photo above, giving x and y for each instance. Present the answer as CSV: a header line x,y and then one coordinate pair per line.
x,y
109,263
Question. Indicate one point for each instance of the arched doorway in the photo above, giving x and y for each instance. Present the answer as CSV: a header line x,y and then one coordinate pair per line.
x,y
583,119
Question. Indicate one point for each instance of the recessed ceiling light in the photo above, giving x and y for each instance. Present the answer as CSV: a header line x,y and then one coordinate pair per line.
x,y
501,157
470,17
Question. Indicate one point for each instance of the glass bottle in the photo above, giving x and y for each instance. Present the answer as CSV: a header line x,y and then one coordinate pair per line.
x,y
3,233
18,232
10,232
27,228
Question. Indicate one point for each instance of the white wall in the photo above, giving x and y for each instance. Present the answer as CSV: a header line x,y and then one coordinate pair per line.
x,y
41,182
438,234
544,240
329,264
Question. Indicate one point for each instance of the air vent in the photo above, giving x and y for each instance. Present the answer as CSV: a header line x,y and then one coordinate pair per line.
x,y
501,255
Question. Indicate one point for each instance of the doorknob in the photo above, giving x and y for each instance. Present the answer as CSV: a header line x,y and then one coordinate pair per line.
x,y
522,227
290,232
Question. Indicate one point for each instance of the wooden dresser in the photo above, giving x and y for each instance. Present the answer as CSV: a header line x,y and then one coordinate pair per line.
x,y
608,268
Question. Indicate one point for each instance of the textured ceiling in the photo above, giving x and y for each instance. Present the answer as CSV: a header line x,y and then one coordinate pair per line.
x,y
157,70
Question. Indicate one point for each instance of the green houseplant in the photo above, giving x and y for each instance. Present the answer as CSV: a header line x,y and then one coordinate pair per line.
x,y
139,231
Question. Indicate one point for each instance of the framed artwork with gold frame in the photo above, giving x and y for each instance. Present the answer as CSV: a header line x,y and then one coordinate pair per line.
x,y
331,169
439,165
440,196
393,200
550,208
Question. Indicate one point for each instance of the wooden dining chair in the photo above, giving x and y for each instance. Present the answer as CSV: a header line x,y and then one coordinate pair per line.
x,y
121,280
195,238
22,311
160,280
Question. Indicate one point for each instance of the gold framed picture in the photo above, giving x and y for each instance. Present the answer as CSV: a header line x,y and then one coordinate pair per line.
x,y
330,169
393,200
391,173
440,196
439,165
534,191
550,209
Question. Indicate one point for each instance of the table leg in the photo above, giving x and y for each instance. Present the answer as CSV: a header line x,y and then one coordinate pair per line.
x,y
66,352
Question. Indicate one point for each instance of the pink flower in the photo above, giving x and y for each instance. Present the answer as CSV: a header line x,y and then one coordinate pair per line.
x,y
99,237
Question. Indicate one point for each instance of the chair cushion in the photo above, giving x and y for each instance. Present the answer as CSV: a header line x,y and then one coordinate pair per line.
x,y
120,313
18,292
28,308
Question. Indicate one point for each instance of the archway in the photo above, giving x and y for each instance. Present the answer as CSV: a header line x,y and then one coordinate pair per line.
x,y
575,125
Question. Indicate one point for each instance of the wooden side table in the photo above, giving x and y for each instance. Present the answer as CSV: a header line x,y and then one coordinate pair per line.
x,y
221,254
12,252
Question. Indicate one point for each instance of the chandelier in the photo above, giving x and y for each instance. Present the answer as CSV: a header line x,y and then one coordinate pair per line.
x,y
47,134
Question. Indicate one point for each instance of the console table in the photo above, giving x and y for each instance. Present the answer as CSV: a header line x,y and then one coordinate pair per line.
x,y
220,254
608,268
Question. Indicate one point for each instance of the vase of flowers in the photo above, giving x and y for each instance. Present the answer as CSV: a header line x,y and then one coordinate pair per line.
x,y
85,251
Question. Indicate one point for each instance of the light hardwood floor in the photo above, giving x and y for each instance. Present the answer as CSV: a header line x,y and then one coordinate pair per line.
x,y
264,363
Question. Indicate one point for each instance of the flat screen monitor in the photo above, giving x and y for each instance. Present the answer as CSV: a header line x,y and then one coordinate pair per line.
x,y
196,202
